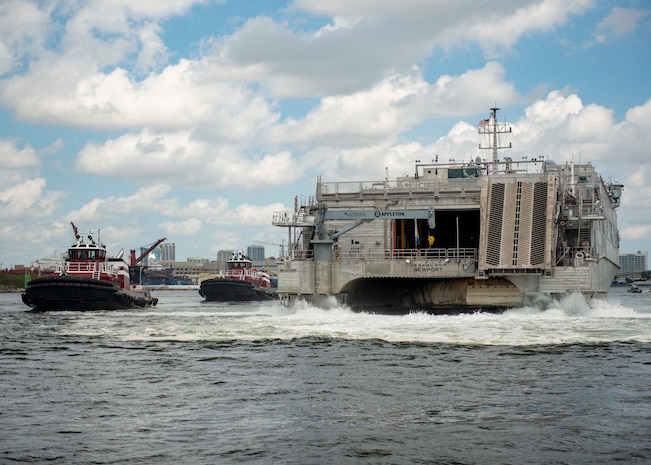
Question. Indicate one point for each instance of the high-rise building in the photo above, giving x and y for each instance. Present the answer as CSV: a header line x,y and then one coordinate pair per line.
x,y
223,255
168,252
634,262
255,252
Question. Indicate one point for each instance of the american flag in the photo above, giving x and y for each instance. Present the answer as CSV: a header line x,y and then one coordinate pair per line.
x,y
482,122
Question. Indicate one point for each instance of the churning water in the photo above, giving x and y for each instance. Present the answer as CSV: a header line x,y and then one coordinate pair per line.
x,y
210,383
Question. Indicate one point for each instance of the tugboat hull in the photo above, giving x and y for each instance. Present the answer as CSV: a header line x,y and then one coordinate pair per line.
x,y
60,293
233,290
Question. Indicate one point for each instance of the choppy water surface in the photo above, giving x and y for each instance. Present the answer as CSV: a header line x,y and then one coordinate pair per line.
x,y
197,382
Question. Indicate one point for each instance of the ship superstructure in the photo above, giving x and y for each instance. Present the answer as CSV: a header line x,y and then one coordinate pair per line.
x,y
481,234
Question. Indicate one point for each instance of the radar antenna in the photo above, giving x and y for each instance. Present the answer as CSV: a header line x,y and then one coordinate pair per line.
x,y
492,130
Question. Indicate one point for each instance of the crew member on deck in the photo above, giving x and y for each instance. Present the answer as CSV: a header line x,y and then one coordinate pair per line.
x,y
586,247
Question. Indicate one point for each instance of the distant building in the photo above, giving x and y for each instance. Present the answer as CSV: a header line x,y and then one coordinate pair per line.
x,y
193,272
198,260
168,252
223,255
50,264
634,262
255,252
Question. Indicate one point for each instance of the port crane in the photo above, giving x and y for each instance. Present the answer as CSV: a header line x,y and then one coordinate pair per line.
x,y
281,245
133,261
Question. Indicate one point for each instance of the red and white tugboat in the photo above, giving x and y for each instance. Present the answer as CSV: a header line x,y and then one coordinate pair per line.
x,y
88,280
240,283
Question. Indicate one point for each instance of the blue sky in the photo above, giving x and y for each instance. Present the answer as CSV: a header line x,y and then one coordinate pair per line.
x,y
196,120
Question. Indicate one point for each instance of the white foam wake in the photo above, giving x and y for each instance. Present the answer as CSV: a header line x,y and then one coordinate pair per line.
x,y
571,320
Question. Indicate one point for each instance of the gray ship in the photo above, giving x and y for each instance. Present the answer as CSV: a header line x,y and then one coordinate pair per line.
x,y
487,234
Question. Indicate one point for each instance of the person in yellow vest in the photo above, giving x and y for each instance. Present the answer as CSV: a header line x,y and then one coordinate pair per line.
x,y
430,240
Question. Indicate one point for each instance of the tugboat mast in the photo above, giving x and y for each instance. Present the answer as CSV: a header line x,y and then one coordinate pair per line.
x,y
492,129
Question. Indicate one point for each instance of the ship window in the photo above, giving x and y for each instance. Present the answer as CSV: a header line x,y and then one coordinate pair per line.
x,y
457,173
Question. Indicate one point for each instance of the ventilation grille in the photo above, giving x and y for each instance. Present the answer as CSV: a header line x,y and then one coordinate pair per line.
x,y
539,224
515,235
495,218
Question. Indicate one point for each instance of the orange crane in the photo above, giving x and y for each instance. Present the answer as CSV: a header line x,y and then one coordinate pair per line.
x,y
133,261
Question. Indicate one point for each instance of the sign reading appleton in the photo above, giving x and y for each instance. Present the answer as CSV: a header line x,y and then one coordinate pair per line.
x,y
370,215
366,214
389,214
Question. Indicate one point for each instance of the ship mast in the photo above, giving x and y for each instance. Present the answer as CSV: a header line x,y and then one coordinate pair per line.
x,y
492,130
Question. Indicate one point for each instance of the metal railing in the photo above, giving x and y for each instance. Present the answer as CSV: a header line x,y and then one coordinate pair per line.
x,y
571,256
291,218
437,254
396,188
86,267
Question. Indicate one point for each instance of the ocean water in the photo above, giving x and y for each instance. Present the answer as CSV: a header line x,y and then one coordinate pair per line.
x,y
256,383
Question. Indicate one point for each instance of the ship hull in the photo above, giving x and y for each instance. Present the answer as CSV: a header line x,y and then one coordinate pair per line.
x,y
393,289
62,293
233,290
399,296
436,296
